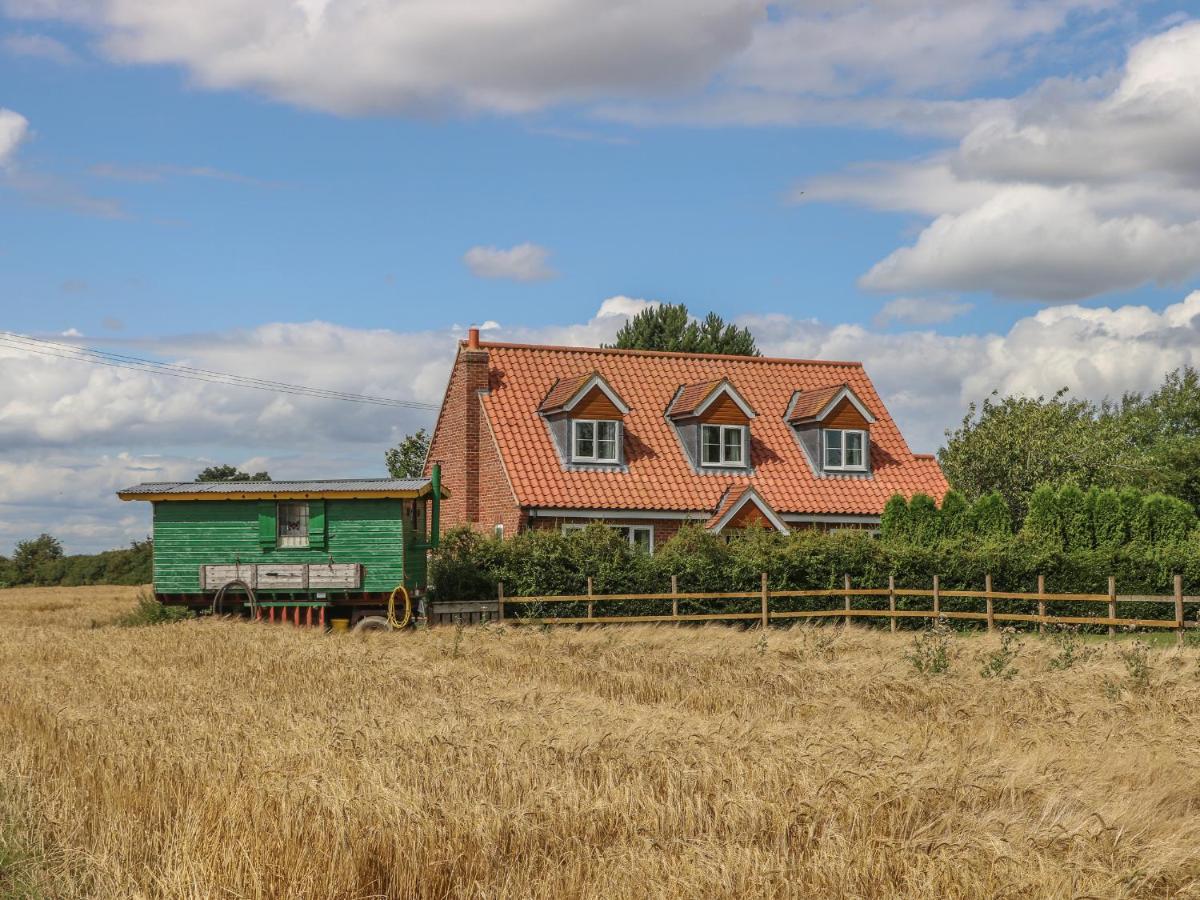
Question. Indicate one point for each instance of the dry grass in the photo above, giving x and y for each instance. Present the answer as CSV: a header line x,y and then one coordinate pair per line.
x,y
217,759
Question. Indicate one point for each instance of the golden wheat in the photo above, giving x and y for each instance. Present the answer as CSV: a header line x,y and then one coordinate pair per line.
x,y
221,759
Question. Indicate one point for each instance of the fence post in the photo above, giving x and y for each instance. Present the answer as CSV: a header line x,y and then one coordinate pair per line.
x,y
1112,603
892,602
1041,604
590,616
937,596
991,610
674,598
1179,607
500,601
846,581
766,615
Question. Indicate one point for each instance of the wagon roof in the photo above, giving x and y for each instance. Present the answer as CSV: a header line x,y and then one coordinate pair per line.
x,y
337,489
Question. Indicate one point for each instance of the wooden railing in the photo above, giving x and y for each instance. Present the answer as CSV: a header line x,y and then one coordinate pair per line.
x,y
518,608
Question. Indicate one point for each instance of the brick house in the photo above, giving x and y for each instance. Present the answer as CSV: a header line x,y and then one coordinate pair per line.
x,y
556,437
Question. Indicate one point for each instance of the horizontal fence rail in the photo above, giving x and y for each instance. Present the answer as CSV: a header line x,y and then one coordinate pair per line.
x,y
528,609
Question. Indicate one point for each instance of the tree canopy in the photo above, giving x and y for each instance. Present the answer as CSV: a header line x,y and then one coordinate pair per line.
x,y
230,473
1011,445
407,459
670,326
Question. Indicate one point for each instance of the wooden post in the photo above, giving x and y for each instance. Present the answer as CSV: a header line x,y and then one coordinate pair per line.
x,y
937,596
1179,607
766,614
1041,604
500,601
590,611
991,610
674,599
1112,603
892,602
846,581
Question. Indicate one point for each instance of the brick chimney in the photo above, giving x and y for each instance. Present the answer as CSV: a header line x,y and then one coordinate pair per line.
x,y
475,377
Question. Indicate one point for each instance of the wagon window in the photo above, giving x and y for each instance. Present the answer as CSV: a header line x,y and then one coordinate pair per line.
x,y
293,524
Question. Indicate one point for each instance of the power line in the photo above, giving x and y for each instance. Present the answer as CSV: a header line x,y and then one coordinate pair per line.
x,y
43,347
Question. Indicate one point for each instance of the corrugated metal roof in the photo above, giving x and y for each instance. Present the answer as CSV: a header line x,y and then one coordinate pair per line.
x,y
269,488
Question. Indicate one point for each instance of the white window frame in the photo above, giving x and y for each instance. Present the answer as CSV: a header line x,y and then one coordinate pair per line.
x,y
844,467
629,530
743,431
291,541
595,457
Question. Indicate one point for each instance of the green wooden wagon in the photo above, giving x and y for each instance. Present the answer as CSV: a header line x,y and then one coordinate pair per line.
x,y
312,552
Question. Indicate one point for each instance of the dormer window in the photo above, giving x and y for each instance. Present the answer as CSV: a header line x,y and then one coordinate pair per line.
x,y
712,421
595,440
845,450
723,445
586,419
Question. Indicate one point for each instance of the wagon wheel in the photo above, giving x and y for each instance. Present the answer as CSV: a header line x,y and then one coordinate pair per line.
x,y
372,623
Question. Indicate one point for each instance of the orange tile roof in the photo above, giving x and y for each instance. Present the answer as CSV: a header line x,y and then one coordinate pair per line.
x,y
564,389
691,396
658,475
726,503
810,402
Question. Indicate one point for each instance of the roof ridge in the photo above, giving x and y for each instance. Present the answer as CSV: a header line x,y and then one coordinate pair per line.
x,y
566,348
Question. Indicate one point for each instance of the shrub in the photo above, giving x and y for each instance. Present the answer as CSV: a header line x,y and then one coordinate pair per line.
x,y
894,523
1108,520
991,517
1075,517
924,520
150,612
931,649
999,663
956,515
1044,522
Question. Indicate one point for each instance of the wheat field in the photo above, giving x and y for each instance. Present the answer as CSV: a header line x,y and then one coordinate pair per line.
x,y
210,759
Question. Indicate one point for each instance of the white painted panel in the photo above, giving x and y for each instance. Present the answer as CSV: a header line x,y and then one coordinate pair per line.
x,y
213,577
281,577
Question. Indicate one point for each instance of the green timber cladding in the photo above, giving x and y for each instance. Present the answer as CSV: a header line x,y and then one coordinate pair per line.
x,y
377,534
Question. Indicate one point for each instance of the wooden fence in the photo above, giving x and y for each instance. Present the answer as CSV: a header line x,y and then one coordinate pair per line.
x,y
518,609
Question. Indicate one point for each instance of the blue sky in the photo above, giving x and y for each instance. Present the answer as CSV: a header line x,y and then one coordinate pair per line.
x,y
993,193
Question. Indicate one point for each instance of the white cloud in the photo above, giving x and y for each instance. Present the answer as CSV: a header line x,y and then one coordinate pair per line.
x,y
1040,243
14,128
745,61
1075,190
39,46
360,56
625,306
72,434
920,311
524,262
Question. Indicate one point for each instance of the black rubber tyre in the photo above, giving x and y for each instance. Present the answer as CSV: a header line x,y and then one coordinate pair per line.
x,y
372,623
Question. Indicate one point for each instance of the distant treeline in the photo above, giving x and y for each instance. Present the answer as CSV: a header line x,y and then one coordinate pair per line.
x,y
40,561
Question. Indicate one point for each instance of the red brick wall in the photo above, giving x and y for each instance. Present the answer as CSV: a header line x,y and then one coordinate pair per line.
x,y
472,472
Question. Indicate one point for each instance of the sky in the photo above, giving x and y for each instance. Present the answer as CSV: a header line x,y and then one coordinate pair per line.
x,y
993,196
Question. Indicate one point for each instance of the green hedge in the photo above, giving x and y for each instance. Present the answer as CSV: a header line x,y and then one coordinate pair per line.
x,y
469,566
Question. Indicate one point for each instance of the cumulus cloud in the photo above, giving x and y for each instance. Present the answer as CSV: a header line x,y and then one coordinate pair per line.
x,y
524,262
757,58
14,128
1075,190
920,311
72,434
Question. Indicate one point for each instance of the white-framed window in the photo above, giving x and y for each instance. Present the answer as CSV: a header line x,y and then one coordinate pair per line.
x,y
845,450
640,536
723,445
292,519
498,530
595,440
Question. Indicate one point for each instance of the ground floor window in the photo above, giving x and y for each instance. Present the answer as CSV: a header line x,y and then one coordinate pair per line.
x,y
640,536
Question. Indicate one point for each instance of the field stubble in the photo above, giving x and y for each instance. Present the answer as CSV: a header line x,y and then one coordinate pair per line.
x,y
220,759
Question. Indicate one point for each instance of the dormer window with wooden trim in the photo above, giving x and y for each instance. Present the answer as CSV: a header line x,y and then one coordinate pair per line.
x,y
586,418
833,427
713,423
